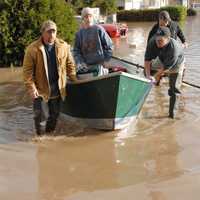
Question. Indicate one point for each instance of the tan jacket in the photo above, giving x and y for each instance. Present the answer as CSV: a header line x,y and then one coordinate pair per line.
x,y
35,68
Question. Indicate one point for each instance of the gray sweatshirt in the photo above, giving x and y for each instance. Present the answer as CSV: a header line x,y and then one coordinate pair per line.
x,y
92,46
170,55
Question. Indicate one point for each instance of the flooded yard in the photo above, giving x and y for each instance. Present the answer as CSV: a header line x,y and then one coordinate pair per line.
x,y
158,159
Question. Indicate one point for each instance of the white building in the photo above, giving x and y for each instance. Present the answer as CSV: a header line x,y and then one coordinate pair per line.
x,y
185,3
141,4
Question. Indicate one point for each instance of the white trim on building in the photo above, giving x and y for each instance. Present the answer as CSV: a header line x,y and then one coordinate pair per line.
x,y
140,4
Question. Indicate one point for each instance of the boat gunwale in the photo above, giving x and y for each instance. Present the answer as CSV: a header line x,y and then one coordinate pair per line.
x,y
113,74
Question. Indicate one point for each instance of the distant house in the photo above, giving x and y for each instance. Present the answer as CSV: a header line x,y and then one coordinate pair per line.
x,y
140,4
186,3
179,2
194,4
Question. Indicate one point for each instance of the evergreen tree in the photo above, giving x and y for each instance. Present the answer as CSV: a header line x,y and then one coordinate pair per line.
x,y
106,6
20,23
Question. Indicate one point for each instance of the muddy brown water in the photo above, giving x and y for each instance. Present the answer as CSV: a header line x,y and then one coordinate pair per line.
x,y
157,159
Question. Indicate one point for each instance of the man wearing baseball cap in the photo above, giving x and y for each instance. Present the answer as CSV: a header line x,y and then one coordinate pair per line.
x,y
165,55
47,63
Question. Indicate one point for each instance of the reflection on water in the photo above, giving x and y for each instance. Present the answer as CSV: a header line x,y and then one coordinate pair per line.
x,y
132,48
155,159
15,112
100,163
157,195
75,166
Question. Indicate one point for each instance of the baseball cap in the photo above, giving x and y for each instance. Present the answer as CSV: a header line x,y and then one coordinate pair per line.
x,y
163,31
164,15
48,25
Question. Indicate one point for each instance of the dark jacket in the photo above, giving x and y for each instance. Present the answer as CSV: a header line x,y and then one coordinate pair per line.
x,y
170,55
174,29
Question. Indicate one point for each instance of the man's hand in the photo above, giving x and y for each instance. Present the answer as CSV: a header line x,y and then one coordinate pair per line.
x,y
185,45
159,75
147,68
73,78
152,79
34,93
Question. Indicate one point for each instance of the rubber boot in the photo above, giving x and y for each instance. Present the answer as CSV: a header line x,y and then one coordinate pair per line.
x,y
172,93
50,125
54,109
172,102
37,110
37,126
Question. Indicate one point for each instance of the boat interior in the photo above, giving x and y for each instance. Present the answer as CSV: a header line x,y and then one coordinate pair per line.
x,y
116,67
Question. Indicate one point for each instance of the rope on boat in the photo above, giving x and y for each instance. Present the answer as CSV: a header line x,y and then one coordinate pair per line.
x,y
141,67
128,62
191,84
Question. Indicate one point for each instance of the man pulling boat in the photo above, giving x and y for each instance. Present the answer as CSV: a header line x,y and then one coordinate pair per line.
x,y
165,55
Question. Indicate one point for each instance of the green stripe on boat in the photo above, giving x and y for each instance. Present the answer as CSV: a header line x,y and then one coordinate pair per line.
x,y
108,102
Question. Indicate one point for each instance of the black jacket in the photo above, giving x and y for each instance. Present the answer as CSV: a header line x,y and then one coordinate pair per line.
x,y
174,29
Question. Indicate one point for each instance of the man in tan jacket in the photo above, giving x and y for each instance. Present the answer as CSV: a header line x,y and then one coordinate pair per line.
x,y
47,63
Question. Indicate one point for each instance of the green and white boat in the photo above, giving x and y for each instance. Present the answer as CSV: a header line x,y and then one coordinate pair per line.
x,y
107,102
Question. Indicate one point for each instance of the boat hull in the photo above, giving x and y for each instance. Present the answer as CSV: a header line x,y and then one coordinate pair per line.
x,y
109,102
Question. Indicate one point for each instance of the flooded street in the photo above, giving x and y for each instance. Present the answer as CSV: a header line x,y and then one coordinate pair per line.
x,y
158,159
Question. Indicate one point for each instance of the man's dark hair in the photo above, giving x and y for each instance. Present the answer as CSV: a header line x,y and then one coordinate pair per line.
x,y
163,31
164,15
